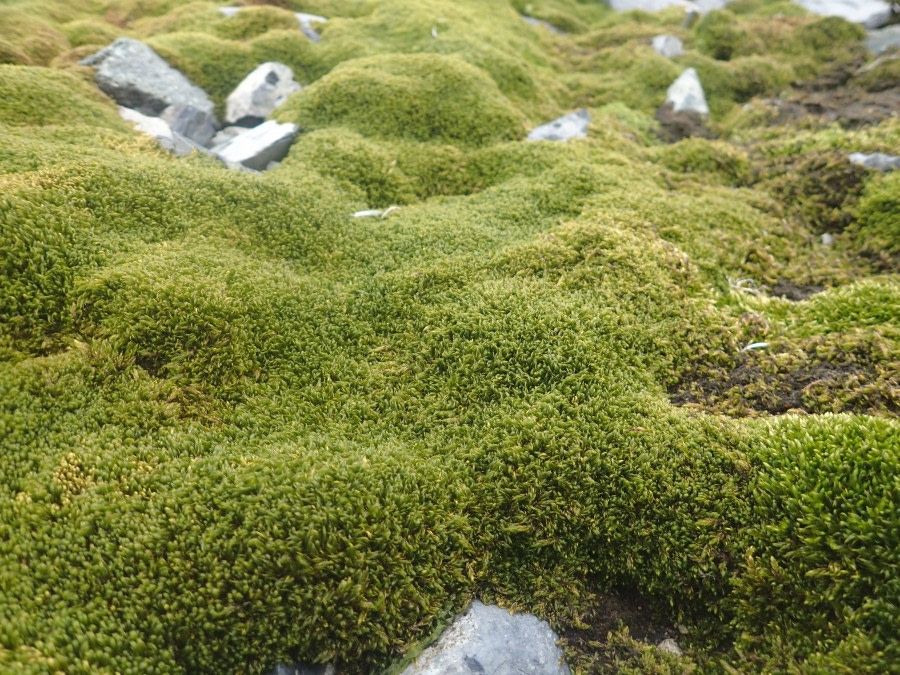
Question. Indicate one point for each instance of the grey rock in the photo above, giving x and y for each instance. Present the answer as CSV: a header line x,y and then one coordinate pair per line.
x,y
542,24
827,239
226,134
877,160
306,24
883,40
647,5
668,46
492,641
870,13
691,15
686,94
136,77
257,147
161,131
229,11
669,645
263,90
190,122
573,125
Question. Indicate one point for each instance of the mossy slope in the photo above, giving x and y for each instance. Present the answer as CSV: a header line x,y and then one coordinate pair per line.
x,y
240,426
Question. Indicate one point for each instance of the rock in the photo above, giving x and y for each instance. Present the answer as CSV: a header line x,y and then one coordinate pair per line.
x,y
686,94
870,13
490,640
375,213
573,125
226,134
670,646
883,40
668,46
161,131
542,24
691,15
259,94
827,239
306,24
877,160
229,11
136,77
257,147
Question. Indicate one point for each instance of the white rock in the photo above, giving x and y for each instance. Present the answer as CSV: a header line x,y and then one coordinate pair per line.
x,y
375,213
877,160
306,24
573,125
827,239
257,147
160,130
227,134
263,90
229,11
490,640
870,13
885,39
670,646
136,77
668,46
686,93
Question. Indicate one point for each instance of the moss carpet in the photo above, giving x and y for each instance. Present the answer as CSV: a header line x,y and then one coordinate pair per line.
x,y
239,426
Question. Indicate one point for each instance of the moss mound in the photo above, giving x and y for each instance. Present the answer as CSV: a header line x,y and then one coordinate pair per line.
x,y
240,426
413,97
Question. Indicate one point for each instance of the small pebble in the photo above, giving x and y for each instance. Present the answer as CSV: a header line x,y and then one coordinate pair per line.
x,y
670,646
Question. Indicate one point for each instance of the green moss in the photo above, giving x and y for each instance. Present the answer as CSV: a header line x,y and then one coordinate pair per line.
x,y
38,97
252,428
26,40
721,36
90,32
415,97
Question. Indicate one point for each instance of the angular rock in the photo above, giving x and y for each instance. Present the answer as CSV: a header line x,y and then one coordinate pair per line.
x,y
301,669
668,46
542,24
257,147
229,11
883,40
161,131
877,160
259,94
306,24
870,13
686,94
226,134
136,77
490,640
669,645
573,125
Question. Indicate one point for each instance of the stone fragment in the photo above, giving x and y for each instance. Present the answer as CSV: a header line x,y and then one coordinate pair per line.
x,y
257,147
542,24
827,239
229,11
668,46
136,77
670,647
691,15
490,640
877,160
161,131
870,13
686,94
883,40
573,125
375,213
306,24
226,134
302,669
263,90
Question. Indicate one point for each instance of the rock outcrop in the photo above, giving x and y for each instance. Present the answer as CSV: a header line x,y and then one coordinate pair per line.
x,y
263,90
573,125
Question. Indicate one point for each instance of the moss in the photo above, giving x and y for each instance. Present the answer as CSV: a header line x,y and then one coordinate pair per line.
x,y
880,75
721,36
26,40
416,97
90,32
38,97
251,428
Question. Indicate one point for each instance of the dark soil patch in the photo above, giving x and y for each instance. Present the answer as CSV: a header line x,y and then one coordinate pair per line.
x,y
591,647
675,126
795,292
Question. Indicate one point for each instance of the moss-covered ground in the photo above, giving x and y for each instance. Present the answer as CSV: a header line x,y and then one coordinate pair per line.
x,y
239,426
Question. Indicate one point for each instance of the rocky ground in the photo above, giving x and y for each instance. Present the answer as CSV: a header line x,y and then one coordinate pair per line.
x,y
324,321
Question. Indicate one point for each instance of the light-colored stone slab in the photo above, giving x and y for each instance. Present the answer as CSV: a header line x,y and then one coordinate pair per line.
x,y
263,90
870,13
573,125
686,93
258,147
668,46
